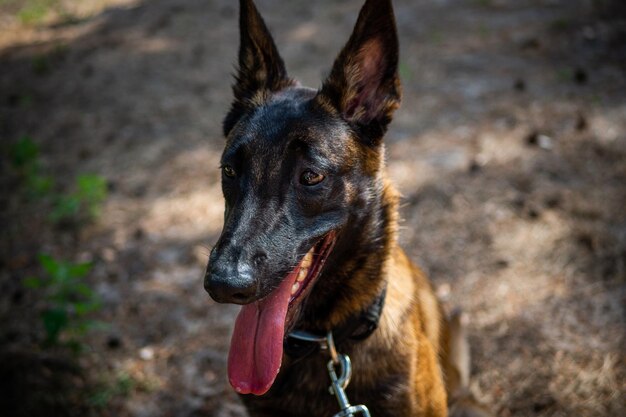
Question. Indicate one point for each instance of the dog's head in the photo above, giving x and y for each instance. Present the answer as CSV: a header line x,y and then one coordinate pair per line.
x,y
298,168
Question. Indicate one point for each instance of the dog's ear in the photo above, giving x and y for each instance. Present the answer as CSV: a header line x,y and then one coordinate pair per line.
x,y
363,85
261,69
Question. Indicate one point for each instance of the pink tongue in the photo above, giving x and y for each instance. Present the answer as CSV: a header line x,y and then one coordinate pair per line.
x,y
256,348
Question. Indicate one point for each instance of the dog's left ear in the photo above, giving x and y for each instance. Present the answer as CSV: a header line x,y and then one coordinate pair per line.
x,y
261,69
363,85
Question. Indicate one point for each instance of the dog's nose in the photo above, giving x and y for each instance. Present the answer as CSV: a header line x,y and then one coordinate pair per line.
x,y
230,287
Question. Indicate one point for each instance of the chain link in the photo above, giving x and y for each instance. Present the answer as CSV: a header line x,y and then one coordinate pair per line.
x,y
340,382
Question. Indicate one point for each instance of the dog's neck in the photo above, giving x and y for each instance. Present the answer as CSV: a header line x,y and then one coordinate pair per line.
x,y
354,276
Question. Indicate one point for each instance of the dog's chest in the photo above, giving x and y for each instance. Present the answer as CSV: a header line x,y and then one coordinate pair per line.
x,y
302,390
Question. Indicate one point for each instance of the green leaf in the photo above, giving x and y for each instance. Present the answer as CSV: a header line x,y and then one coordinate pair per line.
x,y
101,398
92,191
98,325
91,188
79,270
125,384
80,328
66,207
39,185
69,300
32,282
84,326
84,290
24,152
48,263
54,321
83,308
60,296
75,346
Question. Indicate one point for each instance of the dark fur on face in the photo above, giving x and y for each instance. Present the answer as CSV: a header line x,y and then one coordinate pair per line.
x,y
276,131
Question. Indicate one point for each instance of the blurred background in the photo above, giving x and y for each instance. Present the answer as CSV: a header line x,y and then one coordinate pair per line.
x,y
509,151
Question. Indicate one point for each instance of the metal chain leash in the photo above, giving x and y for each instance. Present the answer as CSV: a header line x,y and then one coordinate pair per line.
x,y
339,382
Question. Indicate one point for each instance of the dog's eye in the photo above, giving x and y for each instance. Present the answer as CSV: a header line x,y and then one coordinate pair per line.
x,y
228,171
311,178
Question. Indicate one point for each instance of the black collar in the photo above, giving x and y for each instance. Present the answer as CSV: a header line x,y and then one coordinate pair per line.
x,y
300,344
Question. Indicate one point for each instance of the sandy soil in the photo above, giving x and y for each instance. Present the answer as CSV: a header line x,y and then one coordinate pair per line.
x,y
509,150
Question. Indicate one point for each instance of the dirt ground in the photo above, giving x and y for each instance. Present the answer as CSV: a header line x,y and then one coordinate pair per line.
x,y
509,150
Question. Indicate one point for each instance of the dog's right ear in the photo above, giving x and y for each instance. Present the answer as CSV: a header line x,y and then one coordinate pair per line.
x,y
261,69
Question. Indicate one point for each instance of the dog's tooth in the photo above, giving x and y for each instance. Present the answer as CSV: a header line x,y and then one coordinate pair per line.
x,y
302,274
308,258
294,288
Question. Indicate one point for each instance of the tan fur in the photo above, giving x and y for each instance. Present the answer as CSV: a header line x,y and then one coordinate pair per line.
x,y
443,351
413,327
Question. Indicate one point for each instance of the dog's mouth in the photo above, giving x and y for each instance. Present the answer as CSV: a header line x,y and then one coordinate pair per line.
x,y
309,268
256,348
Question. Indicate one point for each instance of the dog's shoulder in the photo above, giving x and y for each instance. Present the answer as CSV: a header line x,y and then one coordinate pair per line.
x,y
411,299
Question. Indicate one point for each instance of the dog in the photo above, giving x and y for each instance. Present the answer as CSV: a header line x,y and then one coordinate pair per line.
x,y
309,244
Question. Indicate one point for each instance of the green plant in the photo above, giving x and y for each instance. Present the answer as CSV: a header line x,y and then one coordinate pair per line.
x,y
84,203
68,300
92,191
24,157
24,153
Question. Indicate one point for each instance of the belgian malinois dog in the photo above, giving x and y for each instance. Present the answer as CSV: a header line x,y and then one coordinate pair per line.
x,y
309,240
